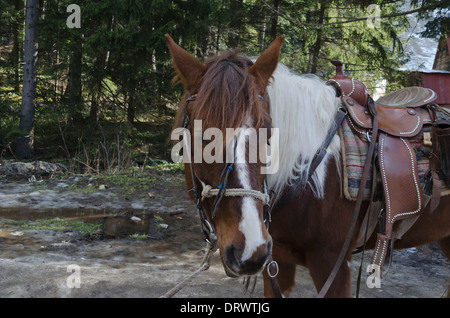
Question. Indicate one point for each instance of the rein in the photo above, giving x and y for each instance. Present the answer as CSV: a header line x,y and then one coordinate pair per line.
x,y
301,183
357,208
318,157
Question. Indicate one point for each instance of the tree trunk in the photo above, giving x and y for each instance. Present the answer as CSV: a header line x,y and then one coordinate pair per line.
x,y
318,44
236,23
262,29
18,4
131,110
24,147
100,65
274,20
75,99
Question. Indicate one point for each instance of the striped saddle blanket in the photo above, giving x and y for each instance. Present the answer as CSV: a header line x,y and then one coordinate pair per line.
x,y
354,152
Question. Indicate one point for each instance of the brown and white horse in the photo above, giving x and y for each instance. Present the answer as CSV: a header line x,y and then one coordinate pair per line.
x,y
308,227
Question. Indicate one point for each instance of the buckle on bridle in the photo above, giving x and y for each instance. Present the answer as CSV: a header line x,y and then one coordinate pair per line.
x,y
343,109
210,235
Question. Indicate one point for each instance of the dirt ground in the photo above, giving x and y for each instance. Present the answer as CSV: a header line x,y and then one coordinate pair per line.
x,y
39,262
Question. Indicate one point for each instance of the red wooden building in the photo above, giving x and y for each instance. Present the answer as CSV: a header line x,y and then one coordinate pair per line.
x,y
438,79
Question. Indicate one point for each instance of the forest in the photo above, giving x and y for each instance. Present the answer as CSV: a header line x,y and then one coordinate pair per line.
x,y
89,83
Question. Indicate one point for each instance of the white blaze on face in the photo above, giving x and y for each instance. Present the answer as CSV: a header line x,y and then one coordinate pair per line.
x,y
250,224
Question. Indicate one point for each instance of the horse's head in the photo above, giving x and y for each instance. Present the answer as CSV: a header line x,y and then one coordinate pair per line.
x,y
228,122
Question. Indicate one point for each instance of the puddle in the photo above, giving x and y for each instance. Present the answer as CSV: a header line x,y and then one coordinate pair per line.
x,y
114,224
24,213
141,224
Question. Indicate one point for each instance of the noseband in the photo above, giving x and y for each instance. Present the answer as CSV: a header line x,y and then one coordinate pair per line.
x,y
208,191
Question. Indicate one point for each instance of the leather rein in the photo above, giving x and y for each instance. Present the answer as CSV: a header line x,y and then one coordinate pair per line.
x,y
317,159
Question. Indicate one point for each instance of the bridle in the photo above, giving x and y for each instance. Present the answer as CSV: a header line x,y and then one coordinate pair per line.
x,y
202,190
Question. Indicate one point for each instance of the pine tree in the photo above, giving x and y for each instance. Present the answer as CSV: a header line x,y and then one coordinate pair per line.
x,y
24,147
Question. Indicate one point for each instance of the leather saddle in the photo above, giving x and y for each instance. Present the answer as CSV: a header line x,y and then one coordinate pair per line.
x,y
396,118
408,97
402,121
346,86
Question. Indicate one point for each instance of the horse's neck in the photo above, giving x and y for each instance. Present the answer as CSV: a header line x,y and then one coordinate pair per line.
x,y
303,109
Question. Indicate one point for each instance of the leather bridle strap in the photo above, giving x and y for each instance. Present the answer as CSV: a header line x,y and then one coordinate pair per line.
x,y
357,208
320,154
301,183
272,272
222,187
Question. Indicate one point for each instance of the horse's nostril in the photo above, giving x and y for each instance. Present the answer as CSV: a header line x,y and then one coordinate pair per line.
x,y
230,255
249,266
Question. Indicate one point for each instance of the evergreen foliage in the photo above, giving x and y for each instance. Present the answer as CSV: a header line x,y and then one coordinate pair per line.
x,y
110,82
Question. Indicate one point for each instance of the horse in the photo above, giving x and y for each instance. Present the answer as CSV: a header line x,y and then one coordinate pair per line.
x,y
306,225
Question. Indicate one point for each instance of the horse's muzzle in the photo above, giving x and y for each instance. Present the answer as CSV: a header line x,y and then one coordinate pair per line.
x,y
234,265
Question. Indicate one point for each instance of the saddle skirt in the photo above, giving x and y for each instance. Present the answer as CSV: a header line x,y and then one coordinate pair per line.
x,y
354,146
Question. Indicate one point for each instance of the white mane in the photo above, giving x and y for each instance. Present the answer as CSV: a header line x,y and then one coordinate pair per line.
x,y
303,108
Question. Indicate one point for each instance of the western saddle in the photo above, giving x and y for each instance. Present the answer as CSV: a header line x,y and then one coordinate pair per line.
x,y
388,125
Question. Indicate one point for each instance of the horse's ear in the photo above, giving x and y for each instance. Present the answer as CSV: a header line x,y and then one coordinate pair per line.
x,y
266,63
188,68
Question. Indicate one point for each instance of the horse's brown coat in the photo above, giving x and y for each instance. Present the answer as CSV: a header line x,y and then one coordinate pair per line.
x,y
305,230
